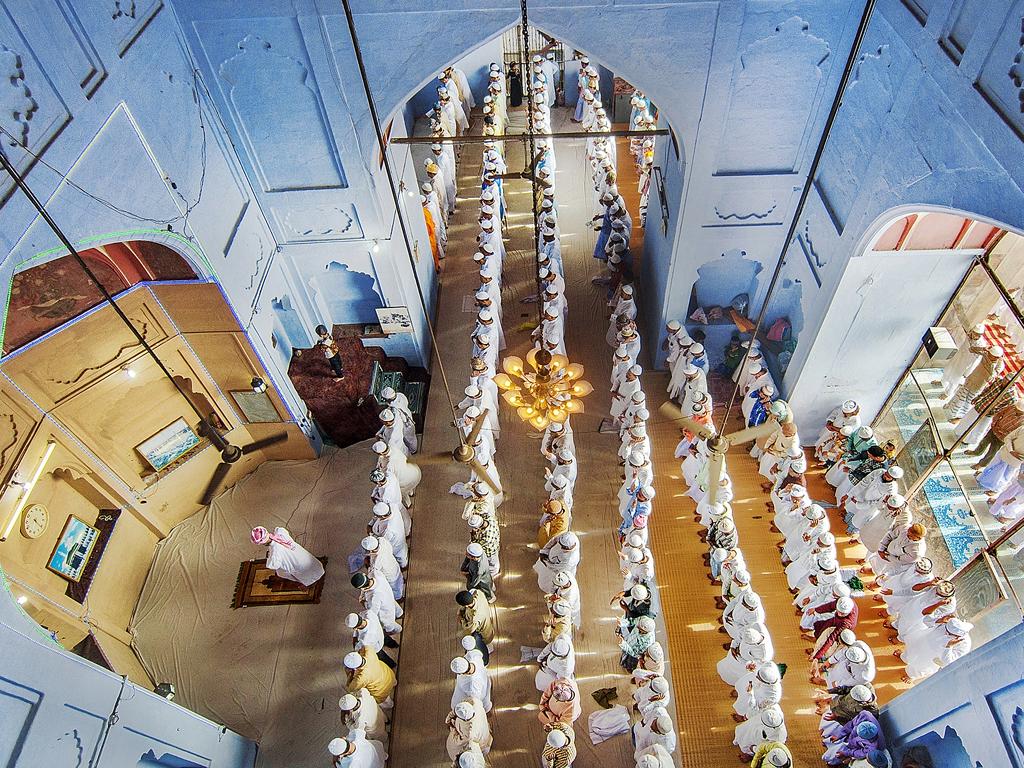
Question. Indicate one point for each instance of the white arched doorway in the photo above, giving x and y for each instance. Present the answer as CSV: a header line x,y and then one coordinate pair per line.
x,y
920,269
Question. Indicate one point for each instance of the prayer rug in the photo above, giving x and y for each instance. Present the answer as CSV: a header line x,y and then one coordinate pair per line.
x,y
258,585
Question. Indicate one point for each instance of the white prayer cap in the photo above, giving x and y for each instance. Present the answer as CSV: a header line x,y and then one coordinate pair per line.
x,y
751,636
639,592
751,599
861,693
979,329
662,724
844,605
459,665
826,564
637,459
348,702
464,710
562,579
487,248
539,98
756,368
475,521
850,407
352,660
556,426
370,543
741,577
485,316
560,606
475,550
769,673
636,370
690,370
379,447
468,643
635,540
727,525
472,391
471,760
659,685
696,349
482,295
958,627
673,325
643,414
565,456
777,758
895,501
561,646
627,290
865,432
797,490
479,256
559,481
568,540
996,352
815,512
352,620
923,565
856,654
826,539
772,716
895,473
846,431
387,415
646,624
442,91
635,555
655,651
638,397
557,739
337,747
841,589
847,637
426,188
388,393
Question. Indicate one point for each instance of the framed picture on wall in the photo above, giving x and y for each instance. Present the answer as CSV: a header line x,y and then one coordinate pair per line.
x,y
169,444
73,550
394,319
255,406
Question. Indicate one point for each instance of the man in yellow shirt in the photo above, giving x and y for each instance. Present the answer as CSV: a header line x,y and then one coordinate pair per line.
x,y
475,617
365,670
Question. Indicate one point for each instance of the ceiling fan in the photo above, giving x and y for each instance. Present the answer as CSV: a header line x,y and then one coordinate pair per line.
x,y
229,454
466,454
719,444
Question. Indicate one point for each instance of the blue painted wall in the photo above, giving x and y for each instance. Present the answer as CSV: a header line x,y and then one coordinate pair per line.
x,y
969,714
57,709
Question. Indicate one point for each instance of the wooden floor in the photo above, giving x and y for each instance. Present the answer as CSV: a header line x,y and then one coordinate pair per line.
x,y
688,620
430,631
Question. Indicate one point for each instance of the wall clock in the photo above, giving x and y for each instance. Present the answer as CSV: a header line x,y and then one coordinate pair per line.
x,y
34,521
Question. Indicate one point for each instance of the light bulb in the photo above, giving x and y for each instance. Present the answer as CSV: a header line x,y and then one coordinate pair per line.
x,y
376,247
582,388
504,382
130,372
513,365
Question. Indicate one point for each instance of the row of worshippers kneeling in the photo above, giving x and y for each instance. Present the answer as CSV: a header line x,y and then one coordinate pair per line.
x,y
922,606
642,654
469,735
369,667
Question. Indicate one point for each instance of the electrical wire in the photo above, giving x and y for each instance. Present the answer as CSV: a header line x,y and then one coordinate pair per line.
x,y
393,187
805,192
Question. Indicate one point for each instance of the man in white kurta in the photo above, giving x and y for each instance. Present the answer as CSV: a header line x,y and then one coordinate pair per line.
x,y
388,490
399,404
763,690
744,610
654,728
770,726
866,497
387,525
375,595
361,710
381,560
560,554
356,751
471,680
289,559
557,660
753,648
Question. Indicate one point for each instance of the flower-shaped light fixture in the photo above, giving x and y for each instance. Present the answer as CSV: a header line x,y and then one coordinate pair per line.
x,y
546,388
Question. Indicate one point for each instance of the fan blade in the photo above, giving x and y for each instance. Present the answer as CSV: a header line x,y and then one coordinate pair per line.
x,y
483,474
674,413
715,466
433,459
274,439
214,485
752,433
477,426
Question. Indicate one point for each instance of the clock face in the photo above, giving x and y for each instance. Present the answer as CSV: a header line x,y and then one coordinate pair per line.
x,y
34,521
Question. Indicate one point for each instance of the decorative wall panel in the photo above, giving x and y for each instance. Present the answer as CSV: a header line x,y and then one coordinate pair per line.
x,y
1001,80
774,93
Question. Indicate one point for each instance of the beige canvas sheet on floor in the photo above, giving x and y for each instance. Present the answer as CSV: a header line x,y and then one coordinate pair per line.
x,y
271,673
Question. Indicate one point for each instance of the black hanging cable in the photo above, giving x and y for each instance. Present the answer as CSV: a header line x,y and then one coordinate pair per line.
x,y
530,161
393,187
27,191
805,192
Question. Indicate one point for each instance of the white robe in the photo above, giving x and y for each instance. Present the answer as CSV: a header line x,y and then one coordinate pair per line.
x,y
473,685
753,733
369,753
292,561
557,560
368,716
733,669
381,600
553,667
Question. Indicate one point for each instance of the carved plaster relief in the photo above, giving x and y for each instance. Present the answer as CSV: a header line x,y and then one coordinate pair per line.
x,y
774,94
1001,80
130,18
278,112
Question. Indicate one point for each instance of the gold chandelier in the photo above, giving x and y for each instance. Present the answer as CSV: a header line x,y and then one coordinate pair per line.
x,y
546,389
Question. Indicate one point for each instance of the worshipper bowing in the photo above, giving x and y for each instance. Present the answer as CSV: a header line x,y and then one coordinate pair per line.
x,y
285,556
357,751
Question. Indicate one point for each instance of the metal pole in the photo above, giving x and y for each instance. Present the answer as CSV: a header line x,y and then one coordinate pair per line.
x,y
393,187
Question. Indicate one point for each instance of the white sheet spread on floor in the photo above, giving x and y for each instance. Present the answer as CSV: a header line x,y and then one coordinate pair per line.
x,y
271,673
